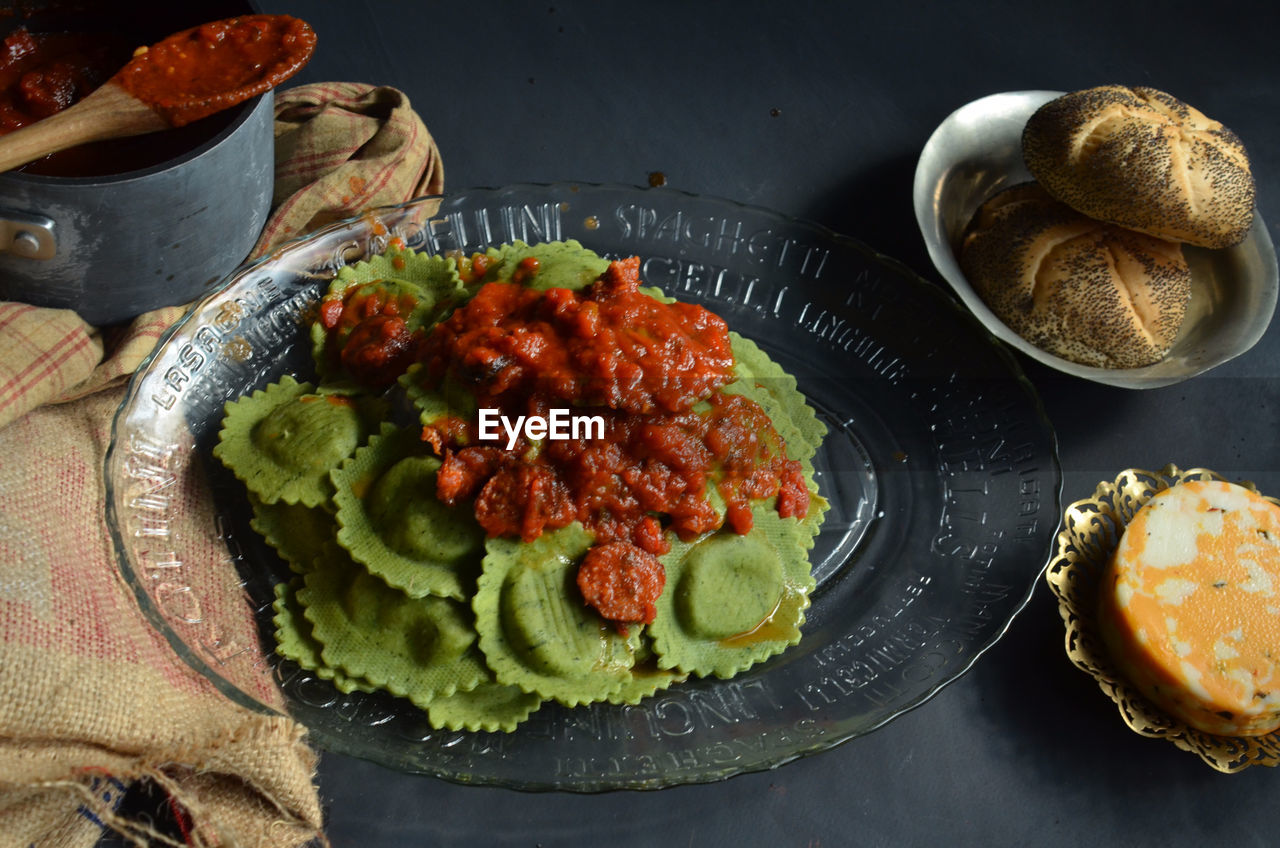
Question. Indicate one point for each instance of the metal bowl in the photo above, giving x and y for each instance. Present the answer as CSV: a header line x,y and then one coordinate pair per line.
x,y
977,151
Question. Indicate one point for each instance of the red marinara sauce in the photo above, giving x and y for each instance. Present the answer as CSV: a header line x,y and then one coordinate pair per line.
x,y
651,371
44,73
609,345
214,66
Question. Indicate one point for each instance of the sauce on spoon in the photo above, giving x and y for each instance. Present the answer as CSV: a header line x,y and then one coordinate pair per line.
x,y
216,65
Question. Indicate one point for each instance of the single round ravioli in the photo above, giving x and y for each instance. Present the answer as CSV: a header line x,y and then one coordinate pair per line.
x,y
418,288
282,441
535,631
390,521
733,600
415,648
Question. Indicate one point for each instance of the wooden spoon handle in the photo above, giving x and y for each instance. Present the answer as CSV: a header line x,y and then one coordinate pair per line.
x,y
108,112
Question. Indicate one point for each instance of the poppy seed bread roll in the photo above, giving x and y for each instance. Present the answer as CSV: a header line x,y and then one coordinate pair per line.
x,y
1081,289
1145,160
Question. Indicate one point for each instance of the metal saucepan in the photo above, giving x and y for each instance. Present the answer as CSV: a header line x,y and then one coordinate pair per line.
x,y
112,246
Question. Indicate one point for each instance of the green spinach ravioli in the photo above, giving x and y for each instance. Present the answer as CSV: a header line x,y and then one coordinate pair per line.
x,y
390,521
396,591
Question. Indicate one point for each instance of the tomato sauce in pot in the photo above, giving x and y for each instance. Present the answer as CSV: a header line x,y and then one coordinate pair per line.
x,y
44,73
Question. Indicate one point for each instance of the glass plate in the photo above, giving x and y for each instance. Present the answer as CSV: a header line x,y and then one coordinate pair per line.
x,y
940,466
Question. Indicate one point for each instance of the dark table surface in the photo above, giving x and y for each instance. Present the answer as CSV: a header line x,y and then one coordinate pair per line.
x,y
820,110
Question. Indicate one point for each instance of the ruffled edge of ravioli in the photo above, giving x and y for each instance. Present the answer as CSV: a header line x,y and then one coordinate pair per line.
x,y
551,561
563,264
294,640
491,706
764,381
253,466
789,408
339,598
297,533
357,534
677,648
647,677
434,273
432,277
566,264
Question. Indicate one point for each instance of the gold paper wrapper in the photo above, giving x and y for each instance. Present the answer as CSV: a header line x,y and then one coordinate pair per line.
x,y
1091,531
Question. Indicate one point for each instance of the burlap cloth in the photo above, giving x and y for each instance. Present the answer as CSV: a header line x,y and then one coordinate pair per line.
x,y
92,699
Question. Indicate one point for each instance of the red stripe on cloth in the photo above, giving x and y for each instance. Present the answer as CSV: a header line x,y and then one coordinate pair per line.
x,y
10,312
39,369
315,165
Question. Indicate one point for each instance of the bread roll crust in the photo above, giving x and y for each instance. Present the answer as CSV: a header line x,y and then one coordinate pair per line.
x,y
1084,290
1145,160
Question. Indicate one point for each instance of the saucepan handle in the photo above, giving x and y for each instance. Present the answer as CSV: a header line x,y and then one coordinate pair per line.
x,y
27,234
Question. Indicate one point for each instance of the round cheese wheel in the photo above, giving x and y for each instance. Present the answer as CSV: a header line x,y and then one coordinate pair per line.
x,y
1190,606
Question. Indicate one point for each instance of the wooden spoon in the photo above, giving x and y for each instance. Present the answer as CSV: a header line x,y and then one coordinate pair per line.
x,y
185,77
